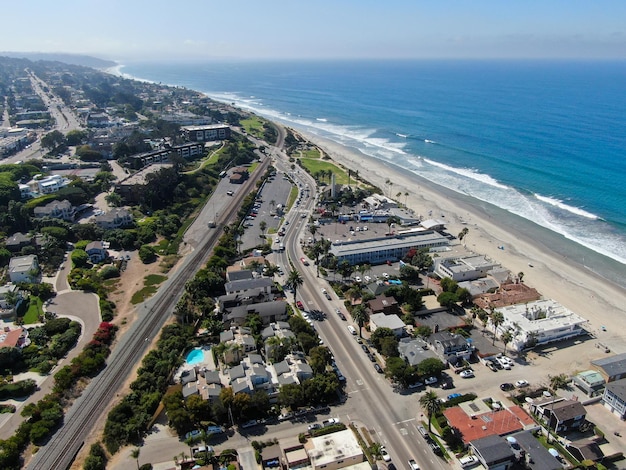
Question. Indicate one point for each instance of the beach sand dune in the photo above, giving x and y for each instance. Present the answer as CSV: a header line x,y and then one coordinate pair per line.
x,y
510,242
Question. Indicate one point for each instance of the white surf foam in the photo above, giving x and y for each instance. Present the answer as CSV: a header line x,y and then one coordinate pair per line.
x,y
468,173
561,205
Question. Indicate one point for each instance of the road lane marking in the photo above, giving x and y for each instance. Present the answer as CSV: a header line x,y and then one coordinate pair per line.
x,y
405,421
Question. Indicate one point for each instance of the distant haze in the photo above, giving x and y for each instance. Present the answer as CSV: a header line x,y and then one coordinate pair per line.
x,y
205,29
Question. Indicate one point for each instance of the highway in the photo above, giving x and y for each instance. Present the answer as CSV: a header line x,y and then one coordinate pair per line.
x,y
100,393
390,416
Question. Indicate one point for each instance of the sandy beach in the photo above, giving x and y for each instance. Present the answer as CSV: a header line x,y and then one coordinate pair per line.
x,y
553,275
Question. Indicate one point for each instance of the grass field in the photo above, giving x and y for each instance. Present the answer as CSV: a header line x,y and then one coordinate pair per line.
x,y
35,309
313,165
253,125
311,153
150,285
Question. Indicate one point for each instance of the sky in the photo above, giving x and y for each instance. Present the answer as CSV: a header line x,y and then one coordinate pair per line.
x,y
286,29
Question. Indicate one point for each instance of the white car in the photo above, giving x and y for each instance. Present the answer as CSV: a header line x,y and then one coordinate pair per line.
x,y
467,374
468,461
386,276
357,279
521,383
413,465
367,278
385,454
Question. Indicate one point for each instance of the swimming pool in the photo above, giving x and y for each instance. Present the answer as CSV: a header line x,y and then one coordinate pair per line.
x,y
195,356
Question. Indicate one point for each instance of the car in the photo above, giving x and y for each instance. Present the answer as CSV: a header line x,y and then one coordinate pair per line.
x,y
341,315
215,430
391,467
199,452
299,305
447,384
285,417
371,357
506,386
365,349
230,193
327,295
384,454
330,422
468,461
467,374
521,383
386,276
352,330
452,396
314,427
492,366
357,279
194,433
323,290
304,261
430,380
249,424
436,448
378,368
422,430
415,385
413,465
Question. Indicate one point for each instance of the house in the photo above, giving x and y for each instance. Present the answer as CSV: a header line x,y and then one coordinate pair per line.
x,y
384,304
585,449
507,294
47,184
334,451
589,381
612,368
237,287
24,269
448,345
56,210
14,338
96,251
115,218
269,312
238,175
560,414
11,298
464,269
17,241
238,275
393,322
536,456
614,397
493,452
414,351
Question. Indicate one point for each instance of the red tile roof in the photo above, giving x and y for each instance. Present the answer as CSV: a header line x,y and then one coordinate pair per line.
x,y
501,422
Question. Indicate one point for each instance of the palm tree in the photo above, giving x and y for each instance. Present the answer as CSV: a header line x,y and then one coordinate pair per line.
x,y
312,230
316,251
496,320
559,381
206,438
262,226
192,441
392,220
506,338
294,280
431,404
520,275
463,234
406,197
359,315
135,455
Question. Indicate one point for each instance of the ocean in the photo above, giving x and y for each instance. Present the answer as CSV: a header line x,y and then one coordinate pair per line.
x,y
544,140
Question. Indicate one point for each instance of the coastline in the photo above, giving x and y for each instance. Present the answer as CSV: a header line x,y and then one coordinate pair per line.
x,y
554,275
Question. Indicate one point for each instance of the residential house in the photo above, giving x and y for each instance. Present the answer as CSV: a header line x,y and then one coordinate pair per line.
x,y
238,175
17,241
414,351
612,368
560,414
24,269
507,294
17,338
237,287
493,452
393,322
97,252
536,455
334,451
56,210
448,345
585,449
384,304
116,218
269,312
614,397
589,381
47,184
11,298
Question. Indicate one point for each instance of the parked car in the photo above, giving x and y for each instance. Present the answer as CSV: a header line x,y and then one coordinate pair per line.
x,y
422,430
452,396
413,465
378,368
315,426
249,424
194,433
430,381
385,455
521,383
468,461
506,386
467,374
330,422
300,305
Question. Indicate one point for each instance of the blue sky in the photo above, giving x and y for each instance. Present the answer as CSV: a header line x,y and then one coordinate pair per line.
x,y
207,29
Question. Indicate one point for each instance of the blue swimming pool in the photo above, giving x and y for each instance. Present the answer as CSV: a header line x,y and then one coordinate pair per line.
x,y
195,356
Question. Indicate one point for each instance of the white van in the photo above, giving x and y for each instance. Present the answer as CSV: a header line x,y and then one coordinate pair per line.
x,y
351,329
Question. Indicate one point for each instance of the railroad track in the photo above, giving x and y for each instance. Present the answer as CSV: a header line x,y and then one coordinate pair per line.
x,y
64,445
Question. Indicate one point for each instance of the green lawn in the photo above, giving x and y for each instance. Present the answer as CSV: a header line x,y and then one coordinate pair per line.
x,y
252,167
253,125
35,309
313,165
311,153
151,283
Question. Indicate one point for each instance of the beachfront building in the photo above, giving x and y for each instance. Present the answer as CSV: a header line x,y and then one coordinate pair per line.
x,y
464,269
382,249
589,381
56,210
206,133
611,368
539,322
614,398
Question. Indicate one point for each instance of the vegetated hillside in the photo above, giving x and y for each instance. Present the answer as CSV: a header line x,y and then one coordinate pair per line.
x,y
73,59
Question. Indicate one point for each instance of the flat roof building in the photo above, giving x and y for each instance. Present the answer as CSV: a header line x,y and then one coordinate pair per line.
x,y
464,269
612,368
333,451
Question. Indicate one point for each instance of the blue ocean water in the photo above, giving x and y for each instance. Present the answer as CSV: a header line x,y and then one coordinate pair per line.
x,y
542,140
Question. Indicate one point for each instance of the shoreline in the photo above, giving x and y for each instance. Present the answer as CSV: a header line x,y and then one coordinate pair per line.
x,y
553,274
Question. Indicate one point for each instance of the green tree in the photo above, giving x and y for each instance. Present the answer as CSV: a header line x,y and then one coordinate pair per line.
x,y
147,254
430,367
294,281
134,454
506,338
359,315
379,334
496,319
79,258
431,404
559,381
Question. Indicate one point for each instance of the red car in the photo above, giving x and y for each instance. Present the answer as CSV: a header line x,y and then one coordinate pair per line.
x,y
299,305
304,261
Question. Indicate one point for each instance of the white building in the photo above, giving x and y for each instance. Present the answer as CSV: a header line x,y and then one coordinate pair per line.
x,y
48,184
393,322
544,320
24,269
333,451
464,269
